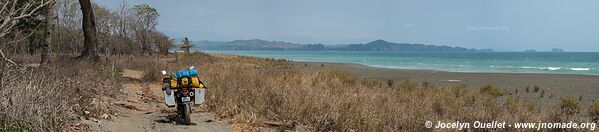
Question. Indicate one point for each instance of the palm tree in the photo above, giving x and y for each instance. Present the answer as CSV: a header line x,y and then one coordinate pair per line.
x,y
186,45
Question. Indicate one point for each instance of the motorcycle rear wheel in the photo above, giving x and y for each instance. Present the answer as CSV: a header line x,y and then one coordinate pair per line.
x,y
186,114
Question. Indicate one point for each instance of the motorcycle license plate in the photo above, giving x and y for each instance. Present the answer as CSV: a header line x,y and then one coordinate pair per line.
x,y
185,99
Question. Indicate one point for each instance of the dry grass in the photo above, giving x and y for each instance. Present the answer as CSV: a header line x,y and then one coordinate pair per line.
x,y
567,109
594,111
52,98
252,90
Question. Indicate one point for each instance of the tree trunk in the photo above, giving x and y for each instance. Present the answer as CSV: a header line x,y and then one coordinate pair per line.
x,y
48,33
149,43
31,45
89,31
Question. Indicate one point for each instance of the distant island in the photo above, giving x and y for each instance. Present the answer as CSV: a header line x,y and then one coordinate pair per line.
x,y
557,50
530,50
552,50
377,45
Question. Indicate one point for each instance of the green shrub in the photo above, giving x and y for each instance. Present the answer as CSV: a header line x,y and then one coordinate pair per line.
x,y
542,93
425,84
569,106
390,82
536,88
491,90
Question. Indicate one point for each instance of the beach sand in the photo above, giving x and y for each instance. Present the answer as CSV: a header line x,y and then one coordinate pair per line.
x,y
559,85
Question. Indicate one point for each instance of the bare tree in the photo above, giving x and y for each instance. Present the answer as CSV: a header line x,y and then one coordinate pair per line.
x,y
89,31
121,15
163,42
126,30
68,34
146,24
104,27
12,11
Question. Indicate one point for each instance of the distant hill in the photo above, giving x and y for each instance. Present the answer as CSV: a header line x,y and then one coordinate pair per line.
x,y
382,45
378,45
254,44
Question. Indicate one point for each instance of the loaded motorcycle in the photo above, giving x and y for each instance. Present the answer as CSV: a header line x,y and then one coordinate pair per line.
x,y
181,89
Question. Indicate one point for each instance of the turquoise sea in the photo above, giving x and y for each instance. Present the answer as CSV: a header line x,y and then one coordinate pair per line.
x,y
497,62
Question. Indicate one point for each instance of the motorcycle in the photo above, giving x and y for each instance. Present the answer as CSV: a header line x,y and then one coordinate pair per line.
x,y
181,89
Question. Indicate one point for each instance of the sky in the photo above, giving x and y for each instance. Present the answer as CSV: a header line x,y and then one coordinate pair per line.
x,y
502,25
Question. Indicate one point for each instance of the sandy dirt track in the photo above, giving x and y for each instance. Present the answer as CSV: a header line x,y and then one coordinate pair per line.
x,y
142,109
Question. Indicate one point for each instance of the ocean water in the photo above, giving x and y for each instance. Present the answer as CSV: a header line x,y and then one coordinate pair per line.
x,y
495,62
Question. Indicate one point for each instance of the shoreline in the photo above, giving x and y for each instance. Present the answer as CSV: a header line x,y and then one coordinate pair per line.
x,y
433,70
474,66
555,85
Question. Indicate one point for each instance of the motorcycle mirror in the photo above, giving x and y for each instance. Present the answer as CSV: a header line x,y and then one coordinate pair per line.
x,y
163,72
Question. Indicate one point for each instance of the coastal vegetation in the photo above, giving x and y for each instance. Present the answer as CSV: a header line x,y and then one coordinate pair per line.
x,y
251,91
57,59
55,97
